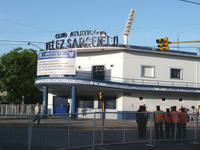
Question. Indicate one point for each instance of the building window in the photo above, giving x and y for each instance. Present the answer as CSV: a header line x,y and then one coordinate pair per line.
x,y
109,102
140,98
176,73
86,102
98,72
148,71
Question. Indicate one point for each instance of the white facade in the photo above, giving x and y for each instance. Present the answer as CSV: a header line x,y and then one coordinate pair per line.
x,y
113,62
148,70
162,63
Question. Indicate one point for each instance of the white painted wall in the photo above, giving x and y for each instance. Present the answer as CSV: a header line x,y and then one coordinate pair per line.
x,y
151,100
108,59
50,103
134,60
198,71
119,103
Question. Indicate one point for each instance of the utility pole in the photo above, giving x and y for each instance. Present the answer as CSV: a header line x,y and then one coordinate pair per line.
x,y
101,98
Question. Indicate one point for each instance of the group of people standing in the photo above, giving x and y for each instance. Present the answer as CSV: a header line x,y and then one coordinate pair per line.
x,y
174,122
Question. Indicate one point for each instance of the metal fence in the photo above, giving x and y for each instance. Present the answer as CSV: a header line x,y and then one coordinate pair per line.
x,y
18,109
60,132
88,75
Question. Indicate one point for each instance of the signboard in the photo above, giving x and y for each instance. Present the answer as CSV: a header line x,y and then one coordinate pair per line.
x,y
81,39
56,62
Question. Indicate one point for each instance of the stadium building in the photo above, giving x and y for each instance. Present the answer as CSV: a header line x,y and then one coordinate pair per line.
x,y
127,76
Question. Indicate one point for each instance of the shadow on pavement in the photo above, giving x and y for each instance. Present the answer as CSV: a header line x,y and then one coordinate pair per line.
x,y
157,146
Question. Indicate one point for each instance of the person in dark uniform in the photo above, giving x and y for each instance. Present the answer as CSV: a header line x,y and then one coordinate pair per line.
x,y
141,119
146,116
68,107
167,122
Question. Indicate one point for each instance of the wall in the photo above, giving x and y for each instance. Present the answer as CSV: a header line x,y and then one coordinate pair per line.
x,y
113,62
50,103
134,60
152,99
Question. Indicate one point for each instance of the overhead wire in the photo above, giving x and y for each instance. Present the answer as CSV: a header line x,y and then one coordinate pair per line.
x,y
25,25
22,41
187,1
40,43
11,43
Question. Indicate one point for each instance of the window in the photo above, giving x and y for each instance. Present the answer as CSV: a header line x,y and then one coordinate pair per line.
x,y
180,99
176,73
85,102
140,98
98,72
148,71
109,102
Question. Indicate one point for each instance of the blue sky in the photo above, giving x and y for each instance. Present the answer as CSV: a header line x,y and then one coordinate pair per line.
x,y
40,20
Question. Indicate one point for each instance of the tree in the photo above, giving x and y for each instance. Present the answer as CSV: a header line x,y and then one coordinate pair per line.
x,y
17,73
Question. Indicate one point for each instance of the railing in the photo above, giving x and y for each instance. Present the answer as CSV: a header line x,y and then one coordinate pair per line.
x,y
17,109
86,75
60,132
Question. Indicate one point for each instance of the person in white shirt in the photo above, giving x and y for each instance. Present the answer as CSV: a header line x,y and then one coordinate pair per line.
x,y
37,113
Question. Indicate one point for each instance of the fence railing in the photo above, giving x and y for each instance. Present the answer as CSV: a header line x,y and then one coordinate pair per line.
x,y
88,75
17,109
60,132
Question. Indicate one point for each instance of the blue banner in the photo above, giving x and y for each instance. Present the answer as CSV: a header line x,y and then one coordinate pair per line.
x,y
56,54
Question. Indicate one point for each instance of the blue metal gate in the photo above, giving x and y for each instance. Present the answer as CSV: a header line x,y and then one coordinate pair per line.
x,y
59,105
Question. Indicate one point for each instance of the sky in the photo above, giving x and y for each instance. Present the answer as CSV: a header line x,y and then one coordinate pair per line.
x,y
40,20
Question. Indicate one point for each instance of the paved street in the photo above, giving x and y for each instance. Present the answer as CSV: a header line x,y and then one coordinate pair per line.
x,y
56,133
157,146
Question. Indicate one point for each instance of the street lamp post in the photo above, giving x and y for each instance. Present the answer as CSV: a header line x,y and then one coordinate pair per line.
x,y
30,43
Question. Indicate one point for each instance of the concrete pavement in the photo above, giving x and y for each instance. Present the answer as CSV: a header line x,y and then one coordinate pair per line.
x,y
157,146
55,131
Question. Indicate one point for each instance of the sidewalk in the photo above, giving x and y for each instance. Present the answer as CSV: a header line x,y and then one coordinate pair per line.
x,y
61,132
157,146
76,124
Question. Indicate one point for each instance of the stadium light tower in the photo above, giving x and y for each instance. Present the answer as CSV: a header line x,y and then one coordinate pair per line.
x,y
129,25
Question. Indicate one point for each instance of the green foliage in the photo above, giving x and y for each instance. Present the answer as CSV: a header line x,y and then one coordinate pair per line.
x,y
18,71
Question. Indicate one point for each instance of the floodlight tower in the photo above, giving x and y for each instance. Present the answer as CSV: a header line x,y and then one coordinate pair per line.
x,y
129,25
